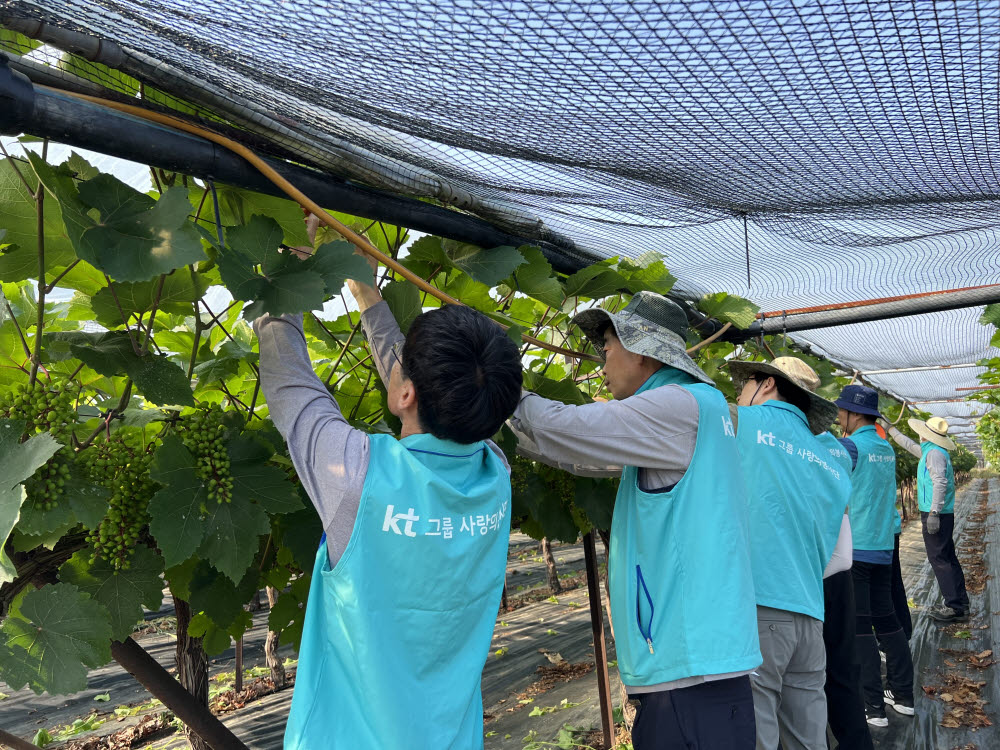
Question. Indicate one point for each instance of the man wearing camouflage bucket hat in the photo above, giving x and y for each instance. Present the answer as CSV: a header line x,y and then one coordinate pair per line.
x,y
936,501
797,495
680,583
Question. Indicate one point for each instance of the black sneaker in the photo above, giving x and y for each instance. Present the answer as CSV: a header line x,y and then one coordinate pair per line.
x,y
943,613
902,705
876,716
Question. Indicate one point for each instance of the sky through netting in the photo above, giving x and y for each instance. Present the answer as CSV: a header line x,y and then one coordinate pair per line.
x,y
851,148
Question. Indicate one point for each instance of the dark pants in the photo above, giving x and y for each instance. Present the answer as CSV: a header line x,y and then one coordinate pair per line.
x,y
714,715
844,706
947,568
873,599
899,602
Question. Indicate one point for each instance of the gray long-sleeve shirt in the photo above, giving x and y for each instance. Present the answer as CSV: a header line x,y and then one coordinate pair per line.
x,y
330,457
937,467
655,430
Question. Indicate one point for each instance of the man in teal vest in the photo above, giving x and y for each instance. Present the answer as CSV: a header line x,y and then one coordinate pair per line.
x,y
680,583
407,580
873,510
936,501
798,494
845,706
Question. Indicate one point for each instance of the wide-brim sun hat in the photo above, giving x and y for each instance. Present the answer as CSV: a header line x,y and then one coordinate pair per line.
x,y
650,325
801,376
935,430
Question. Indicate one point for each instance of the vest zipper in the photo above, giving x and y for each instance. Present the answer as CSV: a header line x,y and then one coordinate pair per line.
x,y
646,632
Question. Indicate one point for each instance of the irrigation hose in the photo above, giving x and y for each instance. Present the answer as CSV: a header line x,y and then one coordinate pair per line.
x,y
358,240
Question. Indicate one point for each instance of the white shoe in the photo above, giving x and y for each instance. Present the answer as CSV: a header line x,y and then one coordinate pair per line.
x,y
900,705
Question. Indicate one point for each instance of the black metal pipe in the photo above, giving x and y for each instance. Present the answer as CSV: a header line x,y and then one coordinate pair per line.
x,y
46,113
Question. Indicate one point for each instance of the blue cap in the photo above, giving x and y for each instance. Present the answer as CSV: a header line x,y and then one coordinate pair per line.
x,y
859,399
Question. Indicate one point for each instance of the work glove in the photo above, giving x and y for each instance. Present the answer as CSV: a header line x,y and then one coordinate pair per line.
x,y
933,523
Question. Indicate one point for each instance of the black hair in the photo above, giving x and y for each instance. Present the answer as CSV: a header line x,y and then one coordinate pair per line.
x,y
466,372
788,392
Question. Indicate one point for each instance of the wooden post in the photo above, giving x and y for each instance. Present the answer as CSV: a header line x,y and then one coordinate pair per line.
x,y
239,664
13,741
158,681
600,648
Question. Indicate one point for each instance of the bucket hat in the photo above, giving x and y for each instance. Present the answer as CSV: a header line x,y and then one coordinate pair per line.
x,y
935,430
859,399
650,325
801,376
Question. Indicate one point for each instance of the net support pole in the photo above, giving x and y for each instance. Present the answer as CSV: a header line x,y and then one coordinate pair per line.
x,y
158,681
600,647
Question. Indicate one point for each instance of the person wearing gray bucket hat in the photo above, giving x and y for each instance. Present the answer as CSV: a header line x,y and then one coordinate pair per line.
x,y
680,581
797,495
936,502
873,515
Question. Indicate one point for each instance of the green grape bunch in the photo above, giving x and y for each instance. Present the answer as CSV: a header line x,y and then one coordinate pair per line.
x,y
121,464
48,409
205,438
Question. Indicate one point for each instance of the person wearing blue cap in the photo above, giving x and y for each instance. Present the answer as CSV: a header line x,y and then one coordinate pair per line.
x,y
872,513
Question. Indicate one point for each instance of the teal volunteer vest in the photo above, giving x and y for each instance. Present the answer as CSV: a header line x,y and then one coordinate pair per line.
x,y
681,589
396,635
925,486
873,495
797,495
837,450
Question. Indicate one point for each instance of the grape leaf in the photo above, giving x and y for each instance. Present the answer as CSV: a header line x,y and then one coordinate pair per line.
x,y
292,292
728,308
255,480
122,592
51,636
488,267
258,242
175,511
651,277
596,498
336,262
557,390
179,291
991,315
136,238
232,532
288,614
300,533
18,461
18,217
219,597
536,278
404,302
157,378
287,285
592,280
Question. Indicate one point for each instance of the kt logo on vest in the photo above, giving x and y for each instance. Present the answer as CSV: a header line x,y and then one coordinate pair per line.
x,y
392,521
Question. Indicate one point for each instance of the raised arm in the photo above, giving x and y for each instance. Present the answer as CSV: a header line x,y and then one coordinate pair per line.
x,y
330,457
656,430
908,445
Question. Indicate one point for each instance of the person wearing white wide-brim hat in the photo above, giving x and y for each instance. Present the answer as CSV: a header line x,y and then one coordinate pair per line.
x,y
797,494
936,501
